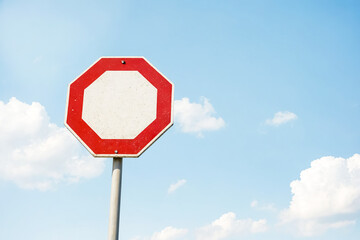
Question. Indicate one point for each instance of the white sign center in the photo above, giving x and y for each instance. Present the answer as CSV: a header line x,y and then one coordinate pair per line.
x,y
119,104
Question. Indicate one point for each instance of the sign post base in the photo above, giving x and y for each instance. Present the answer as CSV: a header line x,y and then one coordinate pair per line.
x,y
115,199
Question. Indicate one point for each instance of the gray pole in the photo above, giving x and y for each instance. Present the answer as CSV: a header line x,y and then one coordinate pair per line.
x,y
115,199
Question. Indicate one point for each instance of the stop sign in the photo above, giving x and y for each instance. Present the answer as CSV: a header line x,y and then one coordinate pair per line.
x,y
119,106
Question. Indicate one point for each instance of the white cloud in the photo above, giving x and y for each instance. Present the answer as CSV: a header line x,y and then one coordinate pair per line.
x,y
326,196
310,227
37,154
169,233
196,117
176,185
281,118
228,226
225,227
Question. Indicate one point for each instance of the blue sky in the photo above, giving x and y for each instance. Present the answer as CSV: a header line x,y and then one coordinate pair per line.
x,y
267,95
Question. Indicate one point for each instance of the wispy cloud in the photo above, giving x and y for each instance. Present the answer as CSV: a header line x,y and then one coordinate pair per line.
x,y
176,185
263,207
37,154
197,117
281,118
326,196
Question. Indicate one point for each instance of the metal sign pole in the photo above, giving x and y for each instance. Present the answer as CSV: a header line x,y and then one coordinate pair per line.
x,y
115,199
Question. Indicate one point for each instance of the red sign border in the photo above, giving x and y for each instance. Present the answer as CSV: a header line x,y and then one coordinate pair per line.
x,y
99,147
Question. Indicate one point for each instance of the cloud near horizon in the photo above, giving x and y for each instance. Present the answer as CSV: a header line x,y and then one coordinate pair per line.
x,y
226,226
326,196
37,154
169,233
196,117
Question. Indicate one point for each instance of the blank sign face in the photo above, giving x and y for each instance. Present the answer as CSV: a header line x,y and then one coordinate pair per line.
x,y
119,104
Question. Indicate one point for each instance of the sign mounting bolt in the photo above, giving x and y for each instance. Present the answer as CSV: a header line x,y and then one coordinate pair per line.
x,y
122,61
116,151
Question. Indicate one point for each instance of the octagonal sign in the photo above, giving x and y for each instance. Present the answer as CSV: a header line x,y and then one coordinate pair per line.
x,y
119,106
